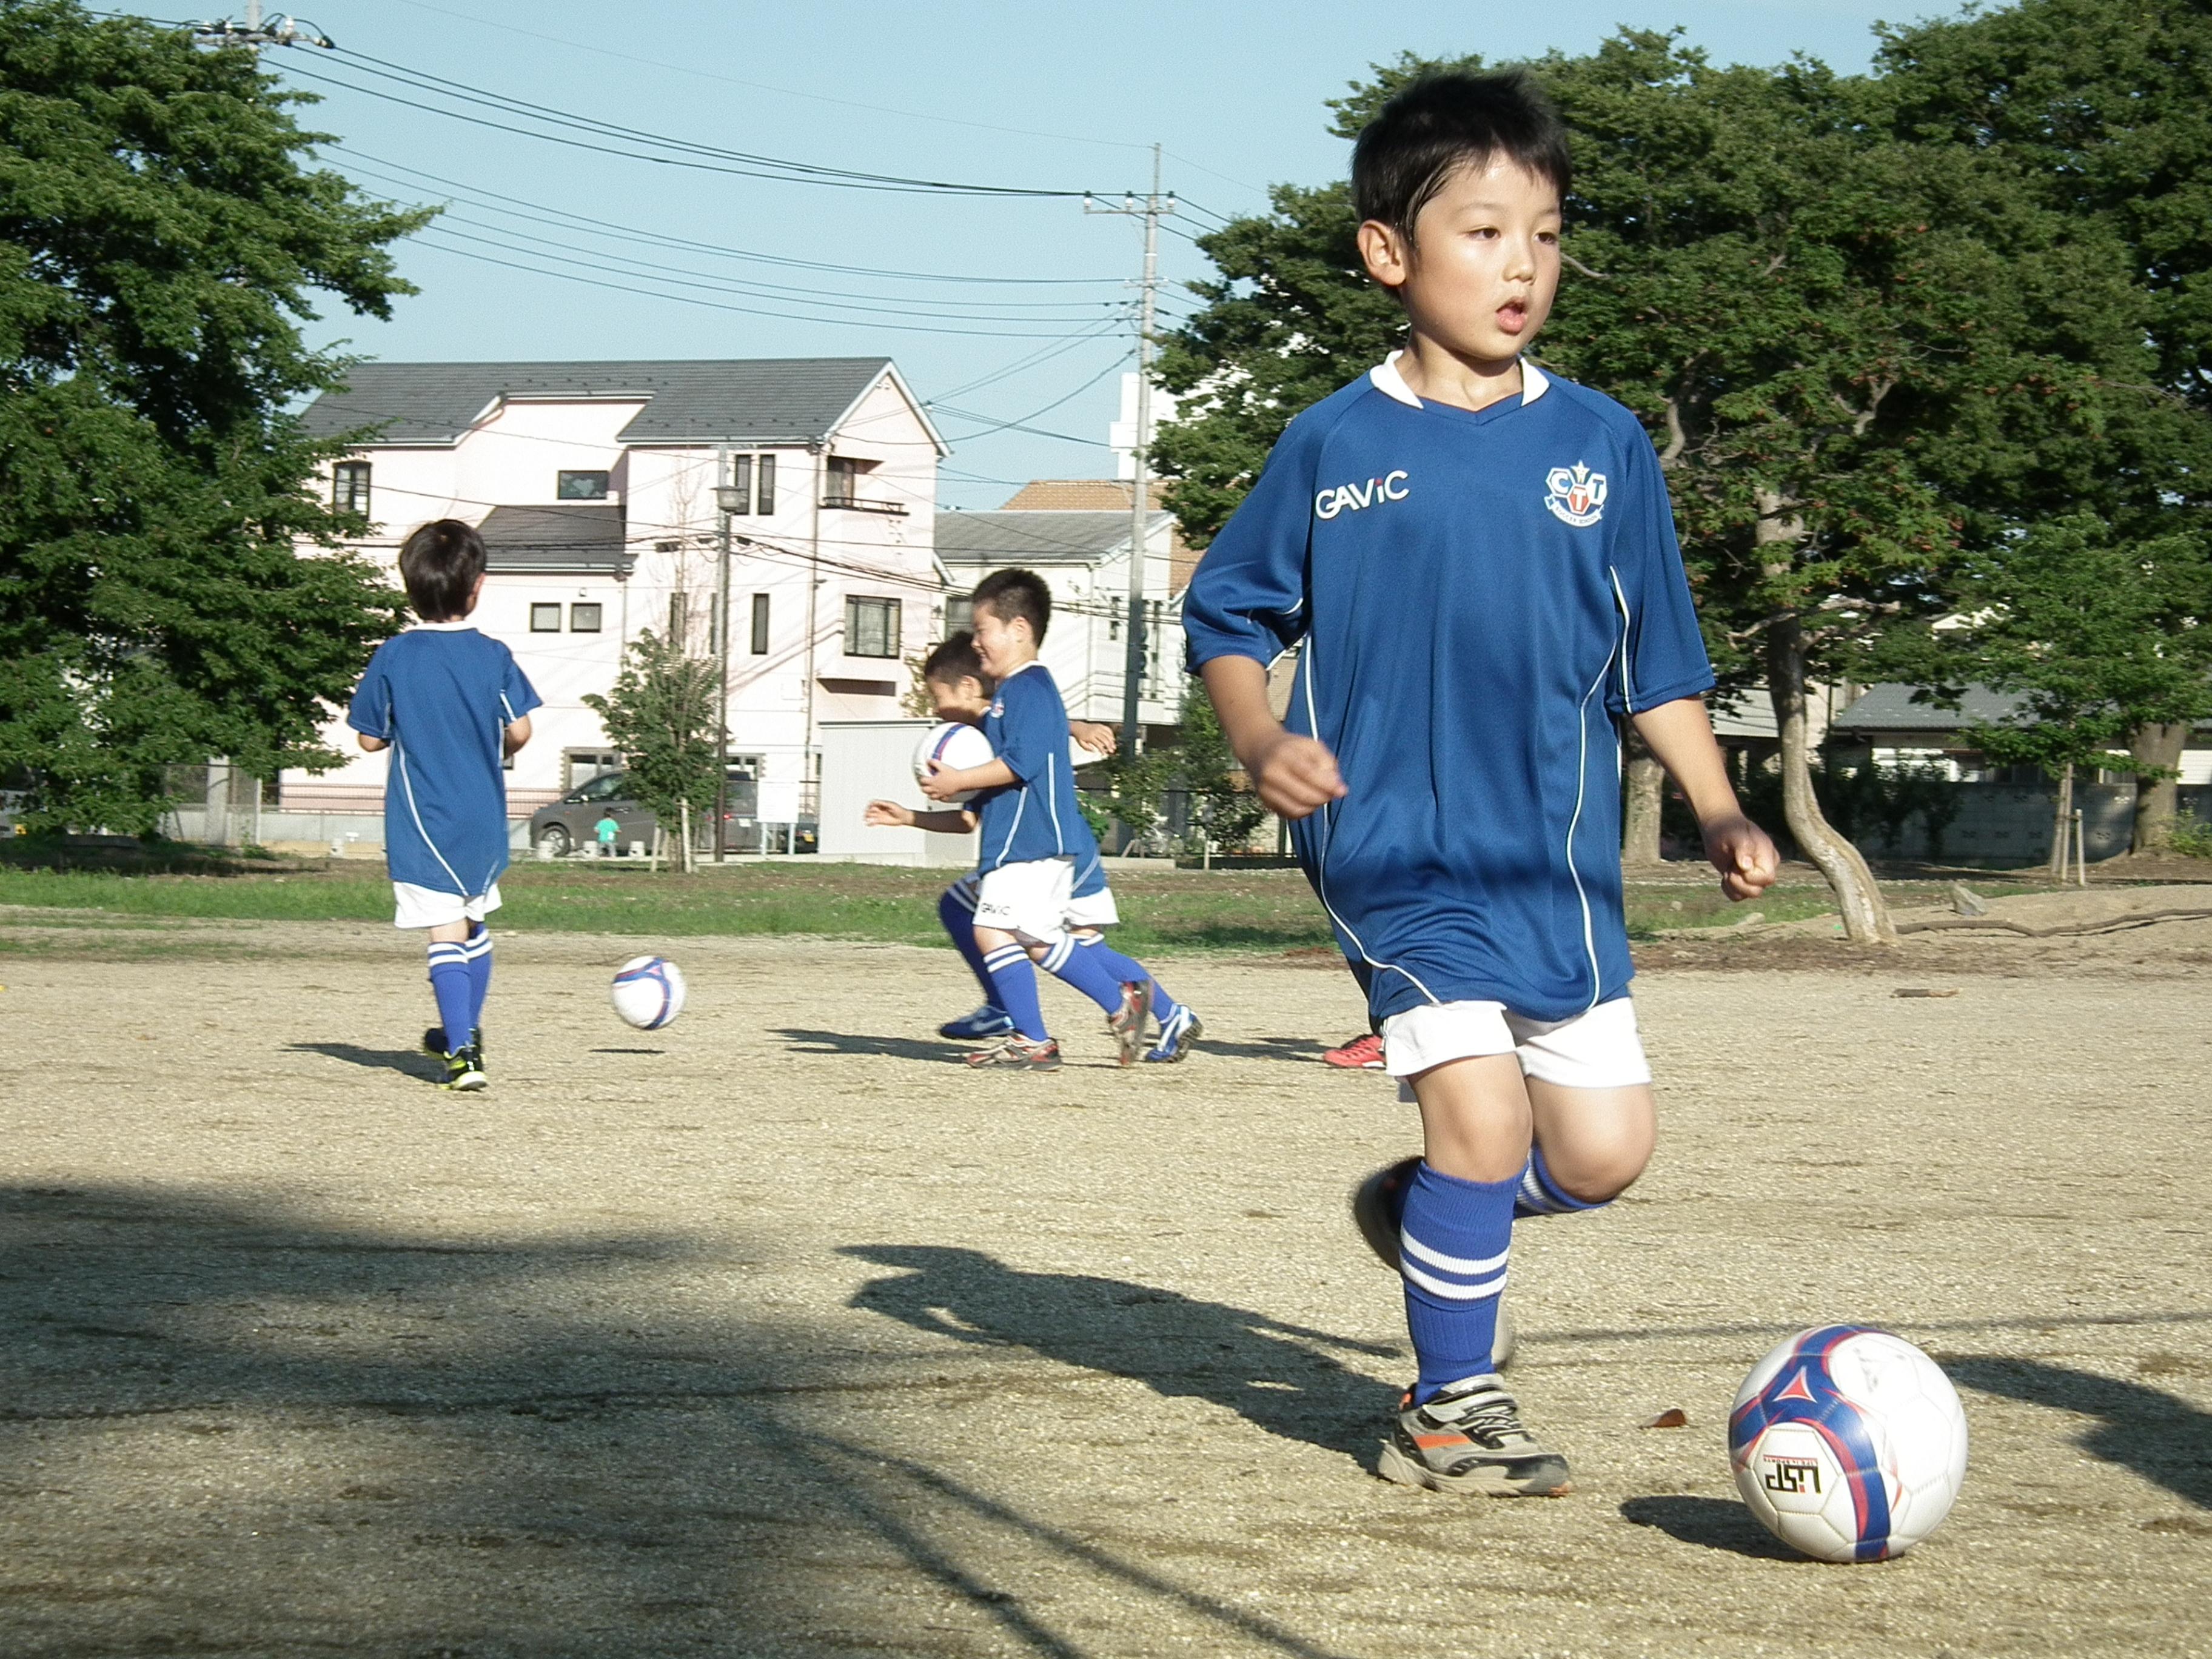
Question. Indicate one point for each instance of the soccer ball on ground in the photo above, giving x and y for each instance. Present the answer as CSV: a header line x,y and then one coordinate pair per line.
x,y
648,992
954,744
1849,1444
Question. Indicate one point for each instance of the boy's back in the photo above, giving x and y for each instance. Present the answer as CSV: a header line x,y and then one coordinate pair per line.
x,y
1037,817
441,695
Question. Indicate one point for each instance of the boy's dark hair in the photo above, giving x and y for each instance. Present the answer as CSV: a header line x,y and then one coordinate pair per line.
x,y
953,659
440,564
1012,593
1446,121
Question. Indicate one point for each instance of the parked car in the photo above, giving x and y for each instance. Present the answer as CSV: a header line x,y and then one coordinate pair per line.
x,y
573,821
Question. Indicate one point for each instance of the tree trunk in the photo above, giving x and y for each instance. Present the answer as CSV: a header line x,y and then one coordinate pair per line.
x,y
2157,804
1640,804
683,815
1866,916
2062,826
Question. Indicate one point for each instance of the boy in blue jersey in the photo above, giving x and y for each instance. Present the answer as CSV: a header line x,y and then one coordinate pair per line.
x,y
451,705
1479,561
958,691
1035,844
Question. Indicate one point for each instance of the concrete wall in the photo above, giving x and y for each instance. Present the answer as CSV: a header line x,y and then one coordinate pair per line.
x,y
2003,823
874,760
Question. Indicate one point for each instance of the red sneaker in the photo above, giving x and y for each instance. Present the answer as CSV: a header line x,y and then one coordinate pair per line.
x,y
1362,1054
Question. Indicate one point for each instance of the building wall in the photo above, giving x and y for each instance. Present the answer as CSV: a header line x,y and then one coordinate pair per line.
x,y
778,697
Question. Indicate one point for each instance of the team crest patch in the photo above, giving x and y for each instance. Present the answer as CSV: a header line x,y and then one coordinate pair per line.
x,y
1575,493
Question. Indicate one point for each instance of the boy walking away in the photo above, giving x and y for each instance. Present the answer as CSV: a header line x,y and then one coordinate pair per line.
x,y
1035,844
450,704
958,691
606,829
1481,563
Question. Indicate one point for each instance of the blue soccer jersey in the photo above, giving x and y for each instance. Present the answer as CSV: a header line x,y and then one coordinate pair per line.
x,y
442,697
1481,595
1037,816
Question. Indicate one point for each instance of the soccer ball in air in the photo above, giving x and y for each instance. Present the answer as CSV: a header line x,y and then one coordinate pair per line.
x,y
1849,1444
648,992
955,745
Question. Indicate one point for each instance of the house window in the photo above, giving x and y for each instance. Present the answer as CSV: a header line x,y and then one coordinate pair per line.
x,y
871,628
764,485
760,625
544,619
959,613
580,486
584,619
741,481
349,487
842,487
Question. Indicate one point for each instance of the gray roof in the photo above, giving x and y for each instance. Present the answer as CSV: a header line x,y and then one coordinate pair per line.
x,y
748,400
1890,707
556,539
1034,537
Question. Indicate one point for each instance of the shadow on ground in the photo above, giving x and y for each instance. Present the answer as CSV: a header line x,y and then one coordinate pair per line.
x,y
409,1061
2164,1439
1280,1377
240,1427
853,1042
1717,1524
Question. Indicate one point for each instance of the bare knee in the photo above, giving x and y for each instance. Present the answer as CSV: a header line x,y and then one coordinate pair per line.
x,y
1595,1142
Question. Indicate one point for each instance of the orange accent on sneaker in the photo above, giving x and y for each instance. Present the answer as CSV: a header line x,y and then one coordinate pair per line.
x,y
1431,1442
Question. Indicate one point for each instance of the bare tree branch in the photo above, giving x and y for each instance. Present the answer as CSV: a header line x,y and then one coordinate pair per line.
x,y
1566,258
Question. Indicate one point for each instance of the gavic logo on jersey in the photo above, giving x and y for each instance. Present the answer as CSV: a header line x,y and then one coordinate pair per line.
x,y
1575,493
1350,498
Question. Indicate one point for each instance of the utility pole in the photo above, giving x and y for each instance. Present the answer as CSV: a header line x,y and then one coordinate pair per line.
x,y
279,31
727,500
1141,440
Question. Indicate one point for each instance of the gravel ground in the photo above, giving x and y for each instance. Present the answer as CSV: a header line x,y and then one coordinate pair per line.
x,y
777,1334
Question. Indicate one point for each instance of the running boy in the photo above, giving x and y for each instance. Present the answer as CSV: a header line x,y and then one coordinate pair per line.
x,y
1480,561
450,704
953,675
1035,844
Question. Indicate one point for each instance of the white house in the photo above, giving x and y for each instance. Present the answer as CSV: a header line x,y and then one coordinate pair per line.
x,y
594,485
1084,557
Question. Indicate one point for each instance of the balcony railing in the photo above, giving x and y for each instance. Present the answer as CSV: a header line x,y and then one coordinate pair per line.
x,y
857,504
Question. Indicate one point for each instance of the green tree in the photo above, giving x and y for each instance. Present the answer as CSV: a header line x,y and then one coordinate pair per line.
x,y
2073,617
163,235
2104,108
661,715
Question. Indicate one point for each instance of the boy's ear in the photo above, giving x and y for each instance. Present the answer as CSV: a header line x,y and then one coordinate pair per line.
x,y
1388,252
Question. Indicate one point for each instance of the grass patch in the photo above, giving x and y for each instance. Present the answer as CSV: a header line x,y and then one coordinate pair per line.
x,y
1236,909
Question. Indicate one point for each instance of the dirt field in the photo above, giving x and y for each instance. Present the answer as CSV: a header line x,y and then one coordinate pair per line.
x,y
776,1334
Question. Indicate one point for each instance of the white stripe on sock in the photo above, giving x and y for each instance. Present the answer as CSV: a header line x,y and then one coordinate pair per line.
x,y
1450,1291
1451,1264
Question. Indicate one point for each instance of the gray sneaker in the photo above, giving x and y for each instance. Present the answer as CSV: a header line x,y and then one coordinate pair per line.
x,y
1470,1438
1377,1205
1127,1022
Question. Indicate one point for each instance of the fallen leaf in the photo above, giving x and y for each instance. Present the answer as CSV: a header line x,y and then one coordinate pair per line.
x,y
1673,1418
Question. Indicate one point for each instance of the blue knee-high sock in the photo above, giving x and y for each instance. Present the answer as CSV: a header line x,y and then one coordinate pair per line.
x,y
1123,970
478,948
1453,1240
1015,976
1538,1193
449,984
959,919
1082,970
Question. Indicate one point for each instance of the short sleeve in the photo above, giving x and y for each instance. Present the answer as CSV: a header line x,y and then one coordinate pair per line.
x,y
1666,656
1248,596
1034,727
517,696
370,712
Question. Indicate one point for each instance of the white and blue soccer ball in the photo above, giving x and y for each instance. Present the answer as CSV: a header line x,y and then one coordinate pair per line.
x,y
955,745
648,992
1849,1444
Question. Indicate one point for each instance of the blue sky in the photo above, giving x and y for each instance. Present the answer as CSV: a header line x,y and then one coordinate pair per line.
x,y
1061,98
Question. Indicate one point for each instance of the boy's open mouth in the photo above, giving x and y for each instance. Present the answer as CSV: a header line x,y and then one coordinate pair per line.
x,y
1513,316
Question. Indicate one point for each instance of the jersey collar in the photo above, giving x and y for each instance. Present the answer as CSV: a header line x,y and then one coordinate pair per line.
x,y
1030,664
461,626
1534,383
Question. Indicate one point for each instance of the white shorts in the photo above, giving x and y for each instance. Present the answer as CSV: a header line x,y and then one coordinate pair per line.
x,y
1029,900
1082,910
1599,1049
426,906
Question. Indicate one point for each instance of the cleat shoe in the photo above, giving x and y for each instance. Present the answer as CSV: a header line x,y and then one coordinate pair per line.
x,y
1127,1022
1362,1054
433,1043
1470,1438
1378,1203
1179,1035
1018,1053
985,1022
464,1072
